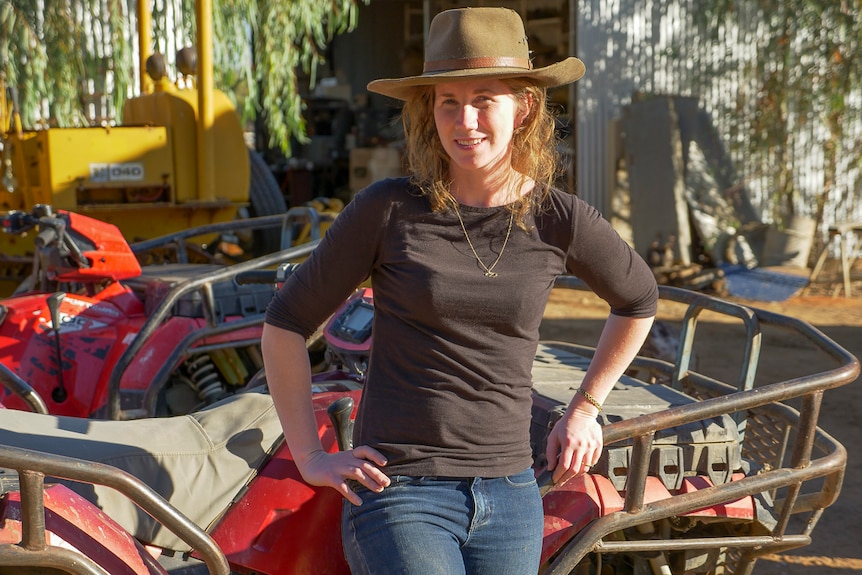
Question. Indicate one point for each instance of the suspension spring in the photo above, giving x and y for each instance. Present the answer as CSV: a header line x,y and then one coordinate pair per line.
x,y
205,378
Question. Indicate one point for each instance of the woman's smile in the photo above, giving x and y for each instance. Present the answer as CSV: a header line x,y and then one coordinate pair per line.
x,y
469,143
475,120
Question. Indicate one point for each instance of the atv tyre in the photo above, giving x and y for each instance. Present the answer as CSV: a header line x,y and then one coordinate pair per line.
x,y
266,200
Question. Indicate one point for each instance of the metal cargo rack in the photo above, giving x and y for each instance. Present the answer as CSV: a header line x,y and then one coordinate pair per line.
x,y
710,448
34,550
202,286
784,443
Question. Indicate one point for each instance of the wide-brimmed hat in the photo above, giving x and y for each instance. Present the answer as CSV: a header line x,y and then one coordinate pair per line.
x,y
472,43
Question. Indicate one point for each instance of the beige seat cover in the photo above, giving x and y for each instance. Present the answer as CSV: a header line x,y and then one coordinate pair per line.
x,y
196,462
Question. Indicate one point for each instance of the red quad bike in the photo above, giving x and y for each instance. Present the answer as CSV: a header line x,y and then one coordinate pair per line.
x,y
95,334
697,475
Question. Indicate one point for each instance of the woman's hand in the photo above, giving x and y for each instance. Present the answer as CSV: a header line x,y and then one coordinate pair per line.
x,y
361,464
574,445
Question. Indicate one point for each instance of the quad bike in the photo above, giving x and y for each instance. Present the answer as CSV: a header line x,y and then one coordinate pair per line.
x,y
94,332
697,475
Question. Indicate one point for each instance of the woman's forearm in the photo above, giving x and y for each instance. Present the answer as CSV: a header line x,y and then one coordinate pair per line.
x,y
621,339
288,373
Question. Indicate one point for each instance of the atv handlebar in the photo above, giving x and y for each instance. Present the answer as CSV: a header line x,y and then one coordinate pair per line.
x,y
17,222
277,275
52,232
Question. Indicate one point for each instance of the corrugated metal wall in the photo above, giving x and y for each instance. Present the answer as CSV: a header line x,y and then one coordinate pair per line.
x,y
652,46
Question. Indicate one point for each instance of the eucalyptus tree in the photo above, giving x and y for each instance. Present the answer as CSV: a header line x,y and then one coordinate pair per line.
x,y
72,62
806,70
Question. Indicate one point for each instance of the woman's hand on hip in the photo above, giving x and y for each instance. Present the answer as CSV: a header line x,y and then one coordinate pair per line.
x,y
361,464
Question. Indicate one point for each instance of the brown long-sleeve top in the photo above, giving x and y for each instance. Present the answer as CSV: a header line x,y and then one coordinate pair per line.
x,y
448,386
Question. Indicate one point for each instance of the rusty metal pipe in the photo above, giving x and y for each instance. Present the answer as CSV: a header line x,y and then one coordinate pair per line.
x,y
13,382
589,539
702,543
32,510
638,471
57,558
28,462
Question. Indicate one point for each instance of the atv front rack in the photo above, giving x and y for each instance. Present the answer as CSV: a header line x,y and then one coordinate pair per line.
x,y
771,429
34,549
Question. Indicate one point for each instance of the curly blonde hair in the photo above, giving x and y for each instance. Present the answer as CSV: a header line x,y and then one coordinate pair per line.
x,y
534,148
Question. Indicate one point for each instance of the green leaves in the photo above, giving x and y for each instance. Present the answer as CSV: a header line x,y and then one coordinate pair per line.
x,y
74,61
805,68
302,31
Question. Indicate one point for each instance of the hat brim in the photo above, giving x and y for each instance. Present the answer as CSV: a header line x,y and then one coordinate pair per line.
x,y
569,70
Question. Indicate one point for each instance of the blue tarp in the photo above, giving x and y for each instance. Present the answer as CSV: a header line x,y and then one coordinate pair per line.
x,y
760,284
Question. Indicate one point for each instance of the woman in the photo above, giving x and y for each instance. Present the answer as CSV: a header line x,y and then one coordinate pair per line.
x,y
462,256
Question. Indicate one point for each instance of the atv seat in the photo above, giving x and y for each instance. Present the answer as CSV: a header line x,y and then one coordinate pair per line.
x,y
197,462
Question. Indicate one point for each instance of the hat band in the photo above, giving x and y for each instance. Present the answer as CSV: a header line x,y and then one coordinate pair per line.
x,y
468,63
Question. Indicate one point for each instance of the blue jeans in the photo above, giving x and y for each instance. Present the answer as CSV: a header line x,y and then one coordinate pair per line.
x,y
446,526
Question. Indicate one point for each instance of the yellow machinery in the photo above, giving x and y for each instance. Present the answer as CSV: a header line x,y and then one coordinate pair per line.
x,y
139,176
179,160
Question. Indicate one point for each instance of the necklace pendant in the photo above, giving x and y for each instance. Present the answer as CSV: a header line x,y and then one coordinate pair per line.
x,y
488,272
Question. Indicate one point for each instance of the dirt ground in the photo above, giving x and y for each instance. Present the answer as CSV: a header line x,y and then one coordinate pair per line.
x,y
835,547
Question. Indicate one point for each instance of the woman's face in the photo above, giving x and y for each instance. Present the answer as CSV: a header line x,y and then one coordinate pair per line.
x,y
475,120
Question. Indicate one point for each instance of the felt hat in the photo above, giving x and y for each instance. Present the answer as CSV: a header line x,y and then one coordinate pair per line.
x,y
473,43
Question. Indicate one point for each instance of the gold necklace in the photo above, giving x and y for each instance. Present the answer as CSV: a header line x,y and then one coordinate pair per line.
x,y
489,273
